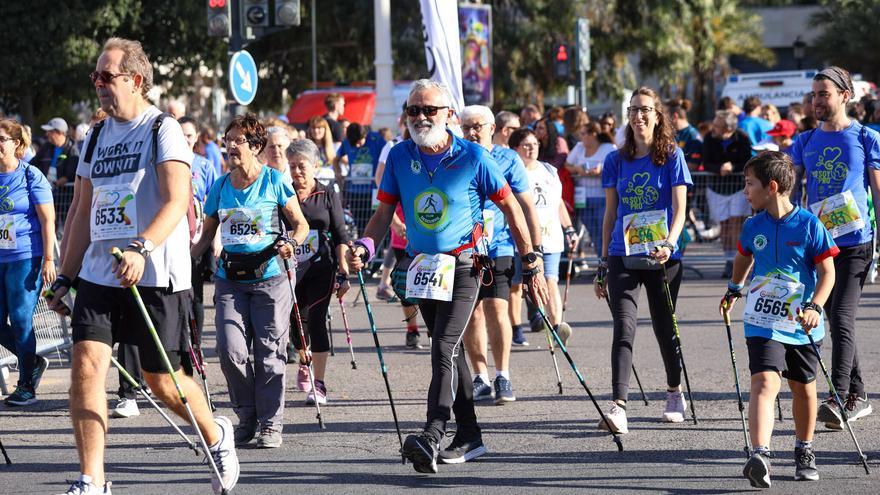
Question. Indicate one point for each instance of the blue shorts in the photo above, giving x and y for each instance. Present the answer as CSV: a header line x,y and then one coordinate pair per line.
x,y
551,267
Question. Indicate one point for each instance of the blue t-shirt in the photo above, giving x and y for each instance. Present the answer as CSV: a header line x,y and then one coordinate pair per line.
x,y
514,171
789,249
756,128
691,144
20,206
840,161
432,161
215,156
362,163
203,176
441,208
642,186
266,194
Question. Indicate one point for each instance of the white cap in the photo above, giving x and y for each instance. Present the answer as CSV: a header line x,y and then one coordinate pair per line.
x,y
56,124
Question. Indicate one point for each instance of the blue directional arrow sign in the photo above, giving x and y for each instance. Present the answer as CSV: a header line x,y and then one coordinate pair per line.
x,y
243,77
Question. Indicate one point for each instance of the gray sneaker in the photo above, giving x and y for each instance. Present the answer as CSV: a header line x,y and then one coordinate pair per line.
x,y
805,465
225,458
564,332
857,407
829,414
245,432
503,391
482,390
270,438
757,470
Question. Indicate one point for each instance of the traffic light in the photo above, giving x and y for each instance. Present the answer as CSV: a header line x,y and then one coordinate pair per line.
x,y
219,23
561,61
255,13
287,13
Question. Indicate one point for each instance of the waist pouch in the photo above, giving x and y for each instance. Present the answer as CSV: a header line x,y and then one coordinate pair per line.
x,y
640,263
247,266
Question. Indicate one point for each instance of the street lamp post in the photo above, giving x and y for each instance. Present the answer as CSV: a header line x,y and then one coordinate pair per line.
x,y
799,47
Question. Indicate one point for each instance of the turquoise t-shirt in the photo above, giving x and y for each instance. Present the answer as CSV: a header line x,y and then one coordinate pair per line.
x,y
249,218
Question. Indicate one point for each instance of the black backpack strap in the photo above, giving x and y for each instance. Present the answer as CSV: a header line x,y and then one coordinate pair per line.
x,y
156,125
93,140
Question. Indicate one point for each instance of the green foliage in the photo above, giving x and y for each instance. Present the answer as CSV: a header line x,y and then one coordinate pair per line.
x,y
850,36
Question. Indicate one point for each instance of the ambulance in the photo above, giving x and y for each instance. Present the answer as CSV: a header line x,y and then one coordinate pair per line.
x,y
780,88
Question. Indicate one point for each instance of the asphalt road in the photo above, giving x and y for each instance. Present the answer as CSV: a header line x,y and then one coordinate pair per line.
x,y
542,443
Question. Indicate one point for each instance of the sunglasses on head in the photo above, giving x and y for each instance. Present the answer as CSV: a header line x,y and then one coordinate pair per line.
x,y
427,110
105,76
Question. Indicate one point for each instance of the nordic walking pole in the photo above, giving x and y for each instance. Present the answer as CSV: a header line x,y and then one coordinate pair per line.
x,y
354,364
577,373
567,285
779,407
170,369
684,370
862,457
137,388
330,333
742,414
381,359
5,455
198,358
305,354
553,355
635,373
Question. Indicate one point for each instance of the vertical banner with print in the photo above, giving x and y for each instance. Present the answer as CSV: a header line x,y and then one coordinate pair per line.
x,y
442,46
475,31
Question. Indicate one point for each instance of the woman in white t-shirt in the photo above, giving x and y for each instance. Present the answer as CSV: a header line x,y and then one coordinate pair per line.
x,y
584,163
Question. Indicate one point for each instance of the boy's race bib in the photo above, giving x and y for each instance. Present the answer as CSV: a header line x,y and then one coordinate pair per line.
x,y
772,304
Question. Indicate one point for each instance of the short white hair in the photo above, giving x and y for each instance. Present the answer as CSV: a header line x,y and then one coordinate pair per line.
x,y
424,84
277,130
483,111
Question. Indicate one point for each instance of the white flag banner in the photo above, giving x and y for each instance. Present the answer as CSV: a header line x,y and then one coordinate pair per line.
x,y
442,46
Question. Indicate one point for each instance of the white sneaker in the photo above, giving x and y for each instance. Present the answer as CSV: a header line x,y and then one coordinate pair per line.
x,y
125,408
225,458
675,407
617,417
84,486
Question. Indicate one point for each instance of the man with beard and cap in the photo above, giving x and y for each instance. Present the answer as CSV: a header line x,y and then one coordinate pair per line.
x,y
842,158
442,182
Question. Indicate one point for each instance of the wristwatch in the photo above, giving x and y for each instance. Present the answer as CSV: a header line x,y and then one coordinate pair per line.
x,y
148,244
811,305
141,246
529,258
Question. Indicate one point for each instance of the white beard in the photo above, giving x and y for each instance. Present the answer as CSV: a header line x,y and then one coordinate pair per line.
x,y
431,138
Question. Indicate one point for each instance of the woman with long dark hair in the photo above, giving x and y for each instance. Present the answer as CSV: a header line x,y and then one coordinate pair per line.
x,y
645,185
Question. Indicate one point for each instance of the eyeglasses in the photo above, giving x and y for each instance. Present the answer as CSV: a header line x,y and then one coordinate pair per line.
x,y
473,127
4,139
427,110
642,110
529,144
105,76
239,141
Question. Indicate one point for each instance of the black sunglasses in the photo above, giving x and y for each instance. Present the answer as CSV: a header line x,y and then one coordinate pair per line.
x,y
427,110
105,76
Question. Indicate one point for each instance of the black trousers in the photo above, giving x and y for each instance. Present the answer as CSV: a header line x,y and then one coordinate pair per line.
x,y
314,291
850,270
624,286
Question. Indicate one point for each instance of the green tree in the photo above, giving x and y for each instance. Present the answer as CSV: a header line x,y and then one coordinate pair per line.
x,y
850,35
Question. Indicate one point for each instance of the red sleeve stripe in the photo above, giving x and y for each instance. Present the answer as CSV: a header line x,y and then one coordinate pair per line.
x,y
741,249
501,193
830,253
387,198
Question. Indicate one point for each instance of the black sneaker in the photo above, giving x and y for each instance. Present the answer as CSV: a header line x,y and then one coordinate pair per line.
x,y
412,340
805,465
40,367
757,469
462,449
421,450
829,414
857,407
503,390
22,396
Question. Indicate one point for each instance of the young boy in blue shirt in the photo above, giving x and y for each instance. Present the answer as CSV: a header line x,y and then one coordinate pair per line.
x,y
789,247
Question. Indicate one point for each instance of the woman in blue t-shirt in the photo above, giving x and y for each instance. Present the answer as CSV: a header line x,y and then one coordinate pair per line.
x,y
27,245
253,295
645,184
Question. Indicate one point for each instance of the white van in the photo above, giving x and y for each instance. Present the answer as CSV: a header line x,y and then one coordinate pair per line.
x,y
779,88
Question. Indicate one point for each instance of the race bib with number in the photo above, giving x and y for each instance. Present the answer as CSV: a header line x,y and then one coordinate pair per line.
x,y
488,224
580,195
839,214
307,250
7,232
114,213
361,172
241,226
644,230
430,276
772,304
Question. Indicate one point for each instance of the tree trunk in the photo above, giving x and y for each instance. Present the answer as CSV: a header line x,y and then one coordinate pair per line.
x,y
26,107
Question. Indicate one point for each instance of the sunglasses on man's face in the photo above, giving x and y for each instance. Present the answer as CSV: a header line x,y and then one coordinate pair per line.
x,y
105,76
427,110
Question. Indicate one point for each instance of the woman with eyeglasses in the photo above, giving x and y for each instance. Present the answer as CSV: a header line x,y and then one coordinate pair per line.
x,y
646,183
253,297
321,264
27,257
319,133
584,163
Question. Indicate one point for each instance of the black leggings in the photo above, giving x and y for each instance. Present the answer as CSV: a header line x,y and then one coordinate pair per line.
x,y
313,294
451,387
850,270
624,286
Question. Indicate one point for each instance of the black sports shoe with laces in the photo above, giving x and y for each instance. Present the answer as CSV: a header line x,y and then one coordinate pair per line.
x,y
805,465
464,447
757,469
421,451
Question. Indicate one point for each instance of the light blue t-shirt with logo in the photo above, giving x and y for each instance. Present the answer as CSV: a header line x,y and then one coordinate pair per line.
x,y
642,186
839,161
514,171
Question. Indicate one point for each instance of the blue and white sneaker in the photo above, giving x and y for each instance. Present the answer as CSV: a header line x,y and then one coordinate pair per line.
x,y
482,390
518,337
23,396
503,390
